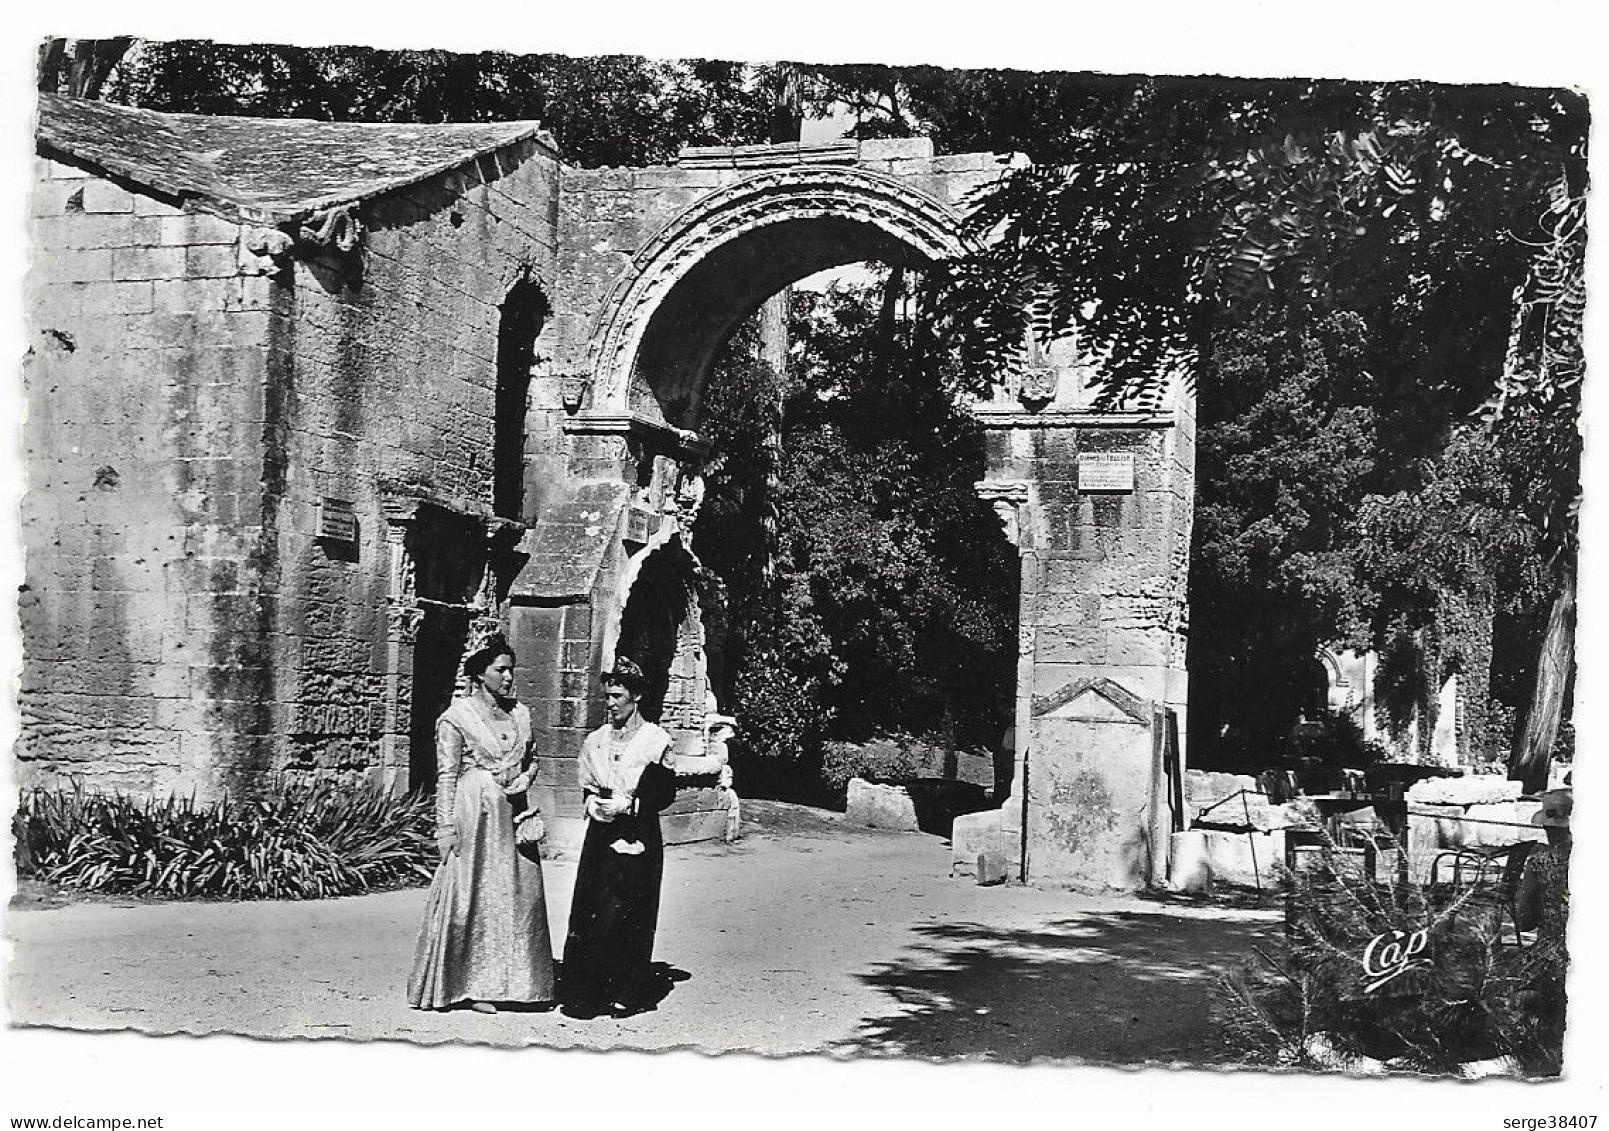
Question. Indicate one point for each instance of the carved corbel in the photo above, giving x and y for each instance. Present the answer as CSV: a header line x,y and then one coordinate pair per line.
x,y
400,513
573,390
332,234
504,557
1009,497
333,230
402,623
267,251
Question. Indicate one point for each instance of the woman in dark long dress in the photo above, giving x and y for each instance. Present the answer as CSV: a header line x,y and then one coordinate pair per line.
x,y
484,938
626,779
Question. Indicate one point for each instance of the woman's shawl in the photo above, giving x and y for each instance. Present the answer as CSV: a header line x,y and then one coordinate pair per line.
x,y
599,771
483,750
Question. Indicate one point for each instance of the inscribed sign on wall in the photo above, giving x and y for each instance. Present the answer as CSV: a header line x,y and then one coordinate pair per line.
x,y
337,521
1106,471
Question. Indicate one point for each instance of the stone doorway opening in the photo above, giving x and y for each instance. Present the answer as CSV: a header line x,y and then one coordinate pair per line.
x,y
662,632
447,557
443,631
864,606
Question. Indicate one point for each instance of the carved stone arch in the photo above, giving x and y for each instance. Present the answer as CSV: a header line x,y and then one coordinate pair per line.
x,y
851,211
1332,667
655,619
1337,692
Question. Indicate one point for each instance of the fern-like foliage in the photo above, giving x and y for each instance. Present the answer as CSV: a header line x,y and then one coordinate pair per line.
x,y
1473,999
292,842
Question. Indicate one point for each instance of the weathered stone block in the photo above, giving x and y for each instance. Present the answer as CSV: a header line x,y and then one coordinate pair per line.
x,y
1493,825
992,868
1254,859
1473,789
880,806
555,772
969,163
970,835
1061,643
147,263
578,623
46,169
53,198
145,205
87,265
195,229
896,148
1189,869
1088,801
104,196
1230,799
695,826
210,262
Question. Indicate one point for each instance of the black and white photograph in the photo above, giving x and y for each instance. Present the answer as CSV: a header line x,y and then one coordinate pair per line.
x,y
526,552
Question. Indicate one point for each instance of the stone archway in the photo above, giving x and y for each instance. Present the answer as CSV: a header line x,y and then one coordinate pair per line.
x,y
713,264
667,261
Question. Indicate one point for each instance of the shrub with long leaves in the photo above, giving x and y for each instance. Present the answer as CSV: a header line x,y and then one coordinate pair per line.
x,y
1474,998
295,841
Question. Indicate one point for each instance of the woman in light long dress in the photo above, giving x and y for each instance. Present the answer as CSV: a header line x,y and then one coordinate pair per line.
x,y
484,939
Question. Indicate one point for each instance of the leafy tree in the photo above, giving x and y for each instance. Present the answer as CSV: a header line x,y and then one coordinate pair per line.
x,y
1189,212
1285,455
80,67
893,605
607,110
1450,561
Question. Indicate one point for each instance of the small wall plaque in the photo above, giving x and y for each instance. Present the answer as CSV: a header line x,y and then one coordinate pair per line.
x,y
337,521
642,523
1106,471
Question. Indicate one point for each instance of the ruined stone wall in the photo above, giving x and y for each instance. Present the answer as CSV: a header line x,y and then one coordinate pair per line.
x,y
388,372
143,521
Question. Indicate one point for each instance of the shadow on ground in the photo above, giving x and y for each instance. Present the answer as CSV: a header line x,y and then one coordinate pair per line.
x,y
1126,988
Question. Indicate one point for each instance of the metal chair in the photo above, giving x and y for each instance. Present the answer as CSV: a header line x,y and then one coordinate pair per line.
x,y
1501,866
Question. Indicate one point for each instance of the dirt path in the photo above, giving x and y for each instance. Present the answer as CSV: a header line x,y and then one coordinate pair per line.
x,y
806,936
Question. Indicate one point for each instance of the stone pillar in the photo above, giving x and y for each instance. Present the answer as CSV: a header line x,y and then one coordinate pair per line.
x,y
1103,522
402,629
1012,501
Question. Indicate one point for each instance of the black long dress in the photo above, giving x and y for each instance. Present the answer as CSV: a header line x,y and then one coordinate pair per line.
x,y
608,951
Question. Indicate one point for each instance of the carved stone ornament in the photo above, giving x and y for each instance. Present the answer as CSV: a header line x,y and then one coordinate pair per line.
x,y
687,499
1040,385
573,390
402,623
1008,497
335,229
267,251
801,192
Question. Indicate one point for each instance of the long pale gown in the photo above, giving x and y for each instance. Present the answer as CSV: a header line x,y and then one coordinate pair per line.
x,y
485,932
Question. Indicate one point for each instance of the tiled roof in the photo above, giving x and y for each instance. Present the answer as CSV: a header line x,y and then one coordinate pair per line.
x,y
269,169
